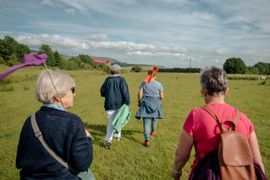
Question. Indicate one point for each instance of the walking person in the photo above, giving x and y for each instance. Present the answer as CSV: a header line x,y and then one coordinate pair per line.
x,y
149,101
116,93
52,129
201,130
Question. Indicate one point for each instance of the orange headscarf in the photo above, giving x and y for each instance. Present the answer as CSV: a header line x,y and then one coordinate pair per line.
x,y
154,69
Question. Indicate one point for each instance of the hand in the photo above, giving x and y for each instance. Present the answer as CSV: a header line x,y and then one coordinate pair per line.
x,y
176,174
139,103
88,134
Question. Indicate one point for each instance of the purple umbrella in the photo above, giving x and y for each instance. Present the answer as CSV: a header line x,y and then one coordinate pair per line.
x,y
29,60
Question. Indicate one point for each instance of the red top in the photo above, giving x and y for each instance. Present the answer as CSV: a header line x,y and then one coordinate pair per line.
x,y
204,130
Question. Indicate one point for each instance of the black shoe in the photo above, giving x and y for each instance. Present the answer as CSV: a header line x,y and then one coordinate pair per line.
x,y
108,145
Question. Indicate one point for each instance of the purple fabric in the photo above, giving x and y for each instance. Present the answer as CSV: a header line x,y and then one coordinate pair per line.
x,y
29,60
207,169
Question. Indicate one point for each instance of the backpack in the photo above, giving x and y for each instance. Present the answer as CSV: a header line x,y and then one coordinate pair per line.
x,y
232,160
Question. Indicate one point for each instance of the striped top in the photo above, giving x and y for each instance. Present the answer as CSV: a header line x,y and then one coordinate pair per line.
x,y
153,88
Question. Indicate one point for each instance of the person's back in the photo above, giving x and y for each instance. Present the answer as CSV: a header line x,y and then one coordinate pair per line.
x,y
62,132
152,89
202,131
115,91
205,129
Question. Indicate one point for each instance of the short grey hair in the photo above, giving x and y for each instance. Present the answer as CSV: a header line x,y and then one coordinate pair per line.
x,y
214,80
115,69
45,90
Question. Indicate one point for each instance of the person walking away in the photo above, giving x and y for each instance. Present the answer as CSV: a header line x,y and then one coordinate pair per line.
x,y
116,93
150,95
62,131
200,129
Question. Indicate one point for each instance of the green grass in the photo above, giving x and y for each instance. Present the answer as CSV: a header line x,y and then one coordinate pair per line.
x,y
128,159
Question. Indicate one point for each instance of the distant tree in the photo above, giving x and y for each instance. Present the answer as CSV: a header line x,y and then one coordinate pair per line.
x,y
7,47
57,58
47,49
136,68
263,68
21,51
252,70
86,59
12,60
2,60
234,66
10,48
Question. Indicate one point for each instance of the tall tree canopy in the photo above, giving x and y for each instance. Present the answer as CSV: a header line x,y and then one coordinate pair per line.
x,y
234,66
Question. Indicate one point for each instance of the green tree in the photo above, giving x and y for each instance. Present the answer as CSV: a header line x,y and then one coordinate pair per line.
x,y
263,68
21,51
252,70
86,59
7,47
57,58
10,48
47,49
234,66
136,68
12,60
2,60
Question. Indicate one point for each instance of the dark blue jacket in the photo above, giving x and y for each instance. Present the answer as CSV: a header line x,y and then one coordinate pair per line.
x,y
64,132
115,91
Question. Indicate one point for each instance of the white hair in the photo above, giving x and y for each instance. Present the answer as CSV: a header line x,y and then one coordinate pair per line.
x,y
115,69
52,84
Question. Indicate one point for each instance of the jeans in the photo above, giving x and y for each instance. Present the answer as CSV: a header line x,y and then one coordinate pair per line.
x,y
147,123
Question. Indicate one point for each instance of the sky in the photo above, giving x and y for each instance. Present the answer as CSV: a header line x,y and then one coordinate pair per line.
x,y
170,33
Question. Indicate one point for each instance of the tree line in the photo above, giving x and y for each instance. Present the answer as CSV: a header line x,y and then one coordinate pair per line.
x,y
12,52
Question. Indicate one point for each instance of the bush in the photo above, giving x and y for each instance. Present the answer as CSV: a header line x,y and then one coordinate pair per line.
x,y
136,68
242,77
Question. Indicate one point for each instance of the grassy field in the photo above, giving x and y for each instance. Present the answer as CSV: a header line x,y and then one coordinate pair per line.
x,y
128,158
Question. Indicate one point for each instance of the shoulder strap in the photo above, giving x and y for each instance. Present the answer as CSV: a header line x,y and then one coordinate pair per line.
x,y
211,112
38,134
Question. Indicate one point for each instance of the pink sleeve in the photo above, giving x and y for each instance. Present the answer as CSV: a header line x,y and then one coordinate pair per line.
x,y
189,124
248,123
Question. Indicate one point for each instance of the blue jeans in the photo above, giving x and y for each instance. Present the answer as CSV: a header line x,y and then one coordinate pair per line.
x,y
147,122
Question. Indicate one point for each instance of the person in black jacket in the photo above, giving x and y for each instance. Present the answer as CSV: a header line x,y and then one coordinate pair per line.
x,y
116,93
64,132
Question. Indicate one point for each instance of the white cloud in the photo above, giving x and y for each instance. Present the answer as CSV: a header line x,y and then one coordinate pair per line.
x,y
70,11
129,48
47,2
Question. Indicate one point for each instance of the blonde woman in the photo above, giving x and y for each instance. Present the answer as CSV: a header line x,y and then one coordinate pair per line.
x,y
63,132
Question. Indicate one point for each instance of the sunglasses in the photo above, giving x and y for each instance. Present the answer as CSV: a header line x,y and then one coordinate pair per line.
x,y
73,90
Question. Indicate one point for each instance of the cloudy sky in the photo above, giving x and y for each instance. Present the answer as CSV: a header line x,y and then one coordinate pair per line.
x,y
171,33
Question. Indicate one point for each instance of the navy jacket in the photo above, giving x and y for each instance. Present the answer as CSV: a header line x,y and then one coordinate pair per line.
x,y
115,91
64,132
